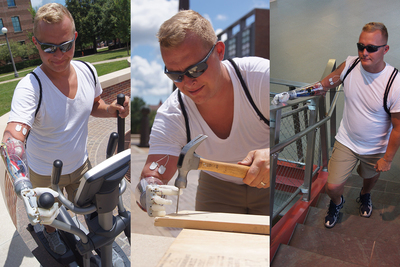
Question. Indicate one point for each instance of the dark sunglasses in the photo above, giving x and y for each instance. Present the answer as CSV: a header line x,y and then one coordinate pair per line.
x,y
370,48
193,71
52,48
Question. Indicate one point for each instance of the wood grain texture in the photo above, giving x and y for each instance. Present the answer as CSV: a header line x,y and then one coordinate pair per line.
x,y
228,222
197,248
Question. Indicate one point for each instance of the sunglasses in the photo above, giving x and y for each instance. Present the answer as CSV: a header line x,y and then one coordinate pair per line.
x,y
52,48
370,48
193,71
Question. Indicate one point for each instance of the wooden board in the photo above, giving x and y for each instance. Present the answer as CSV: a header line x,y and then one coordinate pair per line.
x,y
228,222
197,248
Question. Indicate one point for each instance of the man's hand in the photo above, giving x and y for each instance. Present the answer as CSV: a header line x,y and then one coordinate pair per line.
x,y
123,110
36,214
155,198
382,165
258,174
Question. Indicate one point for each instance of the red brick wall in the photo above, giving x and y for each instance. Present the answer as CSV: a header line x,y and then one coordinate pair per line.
x,y
110,93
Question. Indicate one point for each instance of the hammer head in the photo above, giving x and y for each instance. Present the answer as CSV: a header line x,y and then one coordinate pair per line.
x,y
188,160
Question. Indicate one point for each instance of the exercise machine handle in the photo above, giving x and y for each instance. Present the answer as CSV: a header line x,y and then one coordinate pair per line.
x,y
112,144
121,125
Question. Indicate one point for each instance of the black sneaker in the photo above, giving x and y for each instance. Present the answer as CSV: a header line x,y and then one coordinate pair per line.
x,y
366,205
333,213
55,242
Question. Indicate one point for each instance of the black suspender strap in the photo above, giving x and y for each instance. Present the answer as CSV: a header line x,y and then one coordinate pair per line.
x,y
246,90
94,77
40,84
185,116
351,68
389,84
40,92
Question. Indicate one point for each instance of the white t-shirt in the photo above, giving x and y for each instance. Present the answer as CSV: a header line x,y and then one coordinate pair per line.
x,y
60,129
365,127
168,134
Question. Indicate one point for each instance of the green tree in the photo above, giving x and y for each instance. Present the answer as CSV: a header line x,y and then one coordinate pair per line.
x,y
87,15
115,22
136,114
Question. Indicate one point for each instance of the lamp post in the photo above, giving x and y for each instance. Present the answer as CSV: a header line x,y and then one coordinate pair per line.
x,y
4,30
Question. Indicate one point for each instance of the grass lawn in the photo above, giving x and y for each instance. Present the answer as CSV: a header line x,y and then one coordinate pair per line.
x,y
7,89
6,93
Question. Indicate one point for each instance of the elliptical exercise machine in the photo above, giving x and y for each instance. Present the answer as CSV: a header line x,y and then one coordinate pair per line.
x,y
99,193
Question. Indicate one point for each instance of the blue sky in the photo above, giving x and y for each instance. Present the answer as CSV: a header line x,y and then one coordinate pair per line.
x,y
148,80
39,3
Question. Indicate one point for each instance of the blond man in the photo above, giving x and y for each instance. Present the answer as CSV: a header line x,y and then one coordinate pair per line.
x,y
58,123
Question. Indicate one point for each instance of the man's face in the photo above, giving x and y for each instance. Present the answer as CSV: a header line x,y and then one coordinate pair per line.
x,y
190,52
57,34
372,61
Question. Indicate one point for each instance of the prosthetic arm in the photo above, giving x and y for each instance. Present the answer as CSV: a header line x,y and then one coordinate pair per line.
x,y
13,154
308,90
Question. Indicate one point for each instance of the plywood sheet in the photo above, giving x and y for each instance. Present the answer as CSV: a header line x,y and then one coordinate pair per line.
x,y
229,222
196,248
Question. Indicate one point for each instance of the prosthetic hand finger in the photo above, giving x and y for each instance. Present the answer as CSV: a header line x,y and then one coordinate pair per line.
x,y
40,190
30,202
161,201
169,190
47,216
155,210
157,214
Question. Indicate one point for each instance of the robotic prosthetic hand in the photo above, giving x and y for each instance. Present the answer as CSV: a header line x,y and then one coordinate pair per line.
x,y
151,196
308,90
13,153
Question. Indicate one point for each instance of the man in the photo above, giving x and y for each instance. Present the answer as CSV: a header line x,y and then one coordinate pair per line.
x,y
70,94
217,106
366,133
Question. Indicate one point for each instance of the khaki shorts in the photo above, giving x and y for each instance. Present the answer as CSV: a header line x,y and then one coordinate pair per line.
x,y
220,196
68,181
343,161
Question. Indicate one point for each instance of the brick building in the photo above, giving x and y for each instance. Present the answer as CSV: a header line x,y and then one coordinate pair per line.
x,y
248,36
15,16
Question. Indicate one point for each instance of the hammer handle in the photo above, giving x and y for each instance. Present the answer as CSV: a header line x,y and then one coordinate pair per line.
x,y
235,170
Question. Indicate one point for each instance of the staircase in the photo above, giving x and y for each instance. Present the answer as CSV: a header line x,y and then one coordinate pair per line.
x,y
354,240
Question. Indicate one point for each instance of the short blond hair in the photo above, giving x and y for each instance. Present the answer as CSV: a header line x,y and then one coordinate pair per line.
x,y
174,30
51,13
377,26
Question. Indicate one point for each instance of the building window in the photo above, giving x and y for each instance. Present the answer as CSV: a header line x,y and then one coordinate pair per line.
x,y
246,43
1,27
10,3
16,24
232,47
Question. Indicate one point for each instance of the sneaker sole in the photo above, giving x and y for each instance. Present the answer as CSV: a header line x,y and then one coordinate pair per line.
x,y
367,215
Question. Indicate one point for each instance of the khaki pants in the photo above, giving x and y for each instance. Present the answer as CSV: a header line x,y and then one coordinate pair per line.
x,y
219,196
68,181
344,160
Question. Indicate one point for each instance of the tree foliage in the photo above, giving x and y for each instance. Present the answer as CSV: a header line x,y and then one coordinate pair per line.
x,y
136,114
100,20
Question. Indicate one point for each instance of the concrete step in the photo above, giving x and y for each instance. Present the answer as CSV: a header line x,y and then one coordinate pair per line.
x,y
339,246
290,256
349,248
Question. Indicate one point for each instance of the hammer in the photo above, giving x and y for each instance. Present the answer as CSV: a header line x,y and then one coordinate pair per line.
x,y
189,160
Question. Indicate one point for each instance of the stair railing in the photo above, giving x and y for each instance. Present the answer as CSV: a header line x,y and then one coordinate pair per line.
x,y
303,125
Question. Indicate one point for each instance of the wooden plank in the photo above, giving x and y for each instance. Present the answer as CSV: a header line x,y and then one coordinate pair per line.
x,y
197,248
228,222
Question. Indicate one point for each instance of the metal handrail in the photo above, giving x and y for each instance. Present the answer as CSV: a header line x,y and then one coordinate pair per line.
x,y
280,146
315,105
